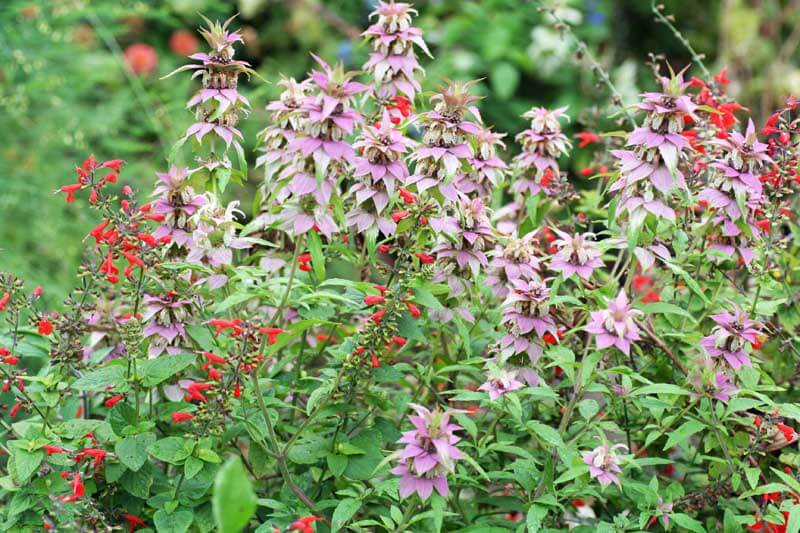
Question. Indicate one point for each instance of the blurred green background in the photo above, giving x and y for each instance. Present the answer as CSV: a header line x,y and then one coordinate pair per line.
x,y
80,76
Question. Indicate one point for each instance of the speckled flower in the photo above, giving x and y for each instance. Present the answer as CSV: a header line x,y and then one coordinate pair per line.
x,y
178,202
729,338
164,318
603,463
429,454
500,382
526,315
576,254
542,144
516,260
615,325
393,60
485,171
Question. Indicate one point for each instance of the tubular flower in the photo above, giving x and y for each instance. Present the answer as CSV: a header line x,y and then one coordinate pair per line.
x,y
164,319
615,325
429,454
177,202
517,260
542,144
576,255
649,169
729,338
603,464
393,61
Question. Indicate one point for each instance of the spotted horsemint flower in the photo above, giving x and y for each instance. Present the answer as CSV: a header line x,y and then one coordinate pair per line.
x,y
380,171
517,260
542,144
603,463
164,318
576,254
615,326
287,118
446,140
485,170
461,249
526,315
649,168
729,338
429,454
218,105
393,61
500,382
734,192
178,202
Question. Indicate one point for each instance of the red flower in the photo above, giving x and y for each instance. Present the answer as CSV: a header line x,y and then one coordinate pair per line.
x,y
70,191
788,432
377,316
304,524
237,390
221,325
4,301
183,42
114,400
141,58
642,282
374,361
722,77
651,297
195,391
397,216
373,299
407,196
586,138
215,359
214,374
15,409
384,248
425,259
548,338
45,327
95,453
271,333
181,417
78,488
50,450
133,521
400,341
413,309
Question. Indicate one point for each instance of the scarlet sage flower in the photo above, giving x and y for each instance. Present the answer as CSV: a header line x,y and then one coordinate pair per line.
x,y
413,310
50,450
271,333
373,300
215,359
425,259
15,409
78,489
70,191
585,138
397,216
221,325
377,316
133,521
4,301
114,400
45,327
180,417
400,341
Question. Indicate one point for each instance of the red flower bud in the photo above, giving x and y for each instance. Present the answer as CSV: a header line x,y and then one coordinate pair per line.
x,y
413,310
400,341
373,299
180,417
45,327
4,301
425,259
397,216
114,400
384,248
377,316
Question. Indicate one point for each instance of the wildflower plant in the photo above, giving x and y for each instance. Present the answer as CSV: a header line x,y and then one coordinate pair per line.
x,y
408,328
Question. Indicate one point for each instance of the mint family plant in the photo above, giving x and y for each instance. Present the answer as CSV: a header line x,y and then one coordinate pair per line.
x,y
409,331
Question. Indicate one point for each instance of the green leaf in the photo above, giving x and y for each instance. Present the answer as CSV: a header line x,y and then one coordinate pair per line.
x,y
155,371
664,308
25,463
233,501
687,522
208,455
690,281
545,432
171,449
344,512
682,433
317,258
660,388
138,483
132,451
437,506
192,467
336,464
361,467
175,522
536,515
504,80
102,378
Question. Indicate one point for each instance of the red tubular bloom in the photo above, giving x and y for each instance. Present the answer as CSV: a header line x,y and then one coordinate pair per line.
x,y
413,310
70,191
400,341
78,489
146,238
10,360
373,299
15,409
373,361
195,391
145,208
215,359
305,267
45,327
548,338
113,164
214,374
384,248
586,138
97,231
764,225
397,216
271,333
587,171
642,282
722,77
50,450
37,291
155,217
407,196
382,288
237,390
788,432
111,177
4,301
133,521
425,259
222,325
95,453
114,400
304,258
377,316
651,297
133,260
180,417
